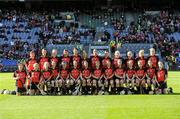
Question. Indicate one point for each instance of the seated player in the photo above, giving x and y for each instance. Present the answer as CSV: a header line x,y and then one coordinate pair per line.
x,y
54,78
75,77
129,57
109,81
86,78
97,75
34,77
140,78
162,78
66,58
46,75
95,58
119,76
153,58
117,56
105,60
141,58
151,76
44,58
54,57
130,77
64,79
76,57
20,77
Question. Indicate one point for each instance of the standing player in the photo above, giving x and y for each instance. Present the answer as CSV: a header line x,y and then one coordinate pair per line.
x,y
140,77
46,76
119,75
105,60
162,78
54,57
86,77
84,59
130,58
75,76
130,76
153,58
141,58
66,58
109,81
20,77
34,77
95,58
43,59
117,56
76,57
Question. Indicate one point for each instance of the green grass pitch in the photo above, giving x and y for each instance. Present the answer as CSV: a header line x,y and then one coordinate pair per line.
x,y
90,107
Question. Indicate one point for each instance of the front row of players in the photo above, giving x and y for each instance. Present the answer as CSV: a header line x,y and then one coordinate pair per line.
x,y
52,81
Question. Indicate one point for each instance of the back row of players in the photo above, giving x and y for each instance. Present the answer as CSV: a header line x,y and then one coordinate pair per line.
x,y
103,75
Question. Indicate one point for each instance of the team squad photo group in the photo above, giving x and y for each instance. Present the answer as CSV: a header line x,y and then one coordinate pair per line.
x,y
81,75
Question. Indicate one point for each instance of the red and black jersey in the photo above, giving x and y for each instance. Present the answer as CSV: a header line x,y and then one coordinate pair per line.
x,y
75,73
151,72
35,76
104,62
97,73
142,59
108,72
22,78
131,59
64,73
115,62
161,75
154,60
140,73
77,59
130,73
54,72
46,75
120,72
94,59
86,73
67,60
42,60
30,64
54,59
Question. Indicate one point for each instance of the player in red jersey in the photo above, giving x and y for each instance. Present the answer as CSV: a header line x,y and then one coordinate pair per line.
x,y
153,58
66,58
43,59
151,76
162,78
97,75
84,59
95,58
54,78
76,57
54,57
86,78
34,77
117,56
130,76
20,77
140,78
109,81
75,76
141,58
64,79
129,58
119,75
105,60
46,75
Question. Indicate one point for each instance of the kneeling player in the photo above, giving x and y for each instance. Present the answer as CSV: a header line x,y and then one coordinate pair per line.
x,y
119,75
45,82
35,76
109,81
85,76
54,79
20,77
75,77
162,78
